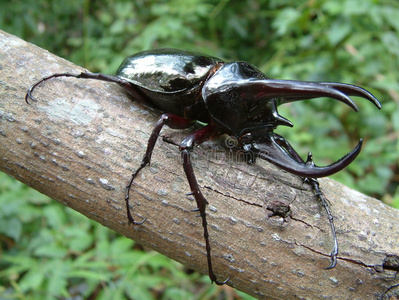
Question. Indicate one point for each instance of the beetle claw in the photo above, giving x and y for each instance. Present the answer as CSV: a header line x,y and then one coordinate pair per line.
x,y
333,261
217,282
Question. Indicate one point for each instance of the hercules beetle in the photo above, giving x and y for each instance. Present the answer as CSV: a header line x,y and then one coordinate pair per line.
x,y
235,99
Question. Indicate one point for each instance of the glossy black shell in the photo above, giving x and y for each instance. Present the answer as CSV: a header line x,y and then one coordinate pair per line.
x,y
242,109
200,87
171,79
237,98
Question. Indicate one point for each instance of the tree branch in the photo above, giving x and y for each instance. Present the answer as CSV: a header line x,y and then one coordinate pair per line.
x,y
81,141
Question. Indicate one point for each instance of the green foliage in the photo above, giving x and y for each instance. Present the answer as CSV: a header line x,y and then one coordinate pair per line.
x,y
47,250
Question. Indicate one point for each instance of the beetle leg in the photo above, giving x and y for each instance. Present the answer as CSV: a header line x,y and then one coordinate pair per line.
x,y
173,121
316,188
185,147
87,75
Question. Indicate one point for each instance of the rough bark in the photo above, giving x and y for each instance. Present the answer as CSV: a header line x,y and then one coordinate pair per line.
x,y
80,142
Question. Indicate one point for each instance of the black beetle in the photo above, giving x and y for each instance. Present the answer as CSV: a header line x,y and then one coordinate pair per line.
x,y
235,99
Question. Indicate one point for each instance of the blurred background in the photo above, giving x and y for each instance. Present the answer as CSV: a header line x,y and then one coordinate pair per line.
x,y
49,251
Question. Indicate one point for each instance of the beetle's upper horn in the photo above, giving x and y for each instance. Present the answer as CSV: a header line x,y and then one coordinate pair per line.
x,y
292,90
271,151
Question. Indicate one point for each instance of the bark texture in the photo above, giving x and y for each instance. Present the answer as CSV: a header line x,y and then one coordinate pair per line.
x,y
81,141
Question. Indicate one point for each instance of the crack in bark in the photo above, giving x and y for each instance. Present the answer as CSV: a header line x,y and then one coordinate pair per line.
x,y
391,262
306,223
231,197
301,221
357,262
391,288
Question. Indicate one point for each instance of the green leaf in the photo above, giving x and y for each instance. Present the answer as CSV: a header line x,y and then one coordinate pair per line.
x,y
51,250
57,281
11,227
55,215
338,31
395,119
285,20
391,41
87,274
33,279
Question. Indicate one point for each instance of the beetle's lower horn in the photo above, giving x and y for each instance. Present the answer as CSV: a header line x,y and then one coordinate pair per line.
x,y
271,151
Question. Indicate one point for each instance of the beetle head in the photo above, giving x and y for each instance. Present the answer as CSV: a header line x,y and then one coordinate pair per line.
x,y
243,102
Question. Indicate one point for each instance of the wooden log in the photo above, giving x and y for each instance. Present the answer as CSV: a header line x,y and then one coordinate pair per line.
x,y
81,141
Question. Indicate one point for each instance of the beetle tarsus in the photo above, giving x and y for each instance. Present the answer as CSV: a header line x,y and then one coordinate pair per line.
x,y
316,188
33,86
128,187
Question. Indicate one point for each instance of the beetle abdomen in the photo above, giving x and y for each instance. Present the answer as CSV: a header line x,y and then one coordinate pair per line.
x,y
166,70
171,79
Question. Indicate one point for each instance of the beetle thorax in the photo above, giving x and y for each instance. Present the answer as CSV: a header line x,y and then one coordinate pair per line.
x,y
235,106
